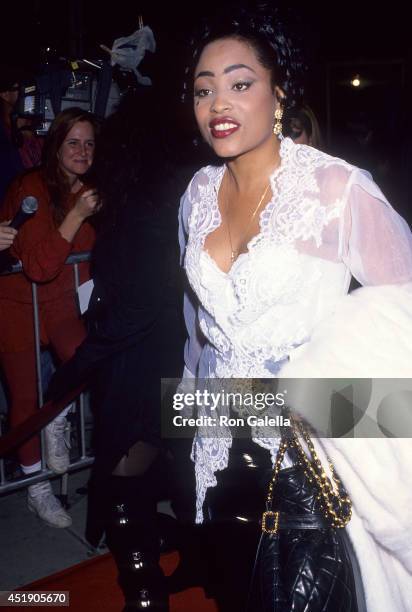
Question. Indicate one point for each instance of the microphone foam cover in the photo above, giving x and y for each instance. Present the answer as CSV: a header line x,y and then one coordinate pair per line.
x,y
29,205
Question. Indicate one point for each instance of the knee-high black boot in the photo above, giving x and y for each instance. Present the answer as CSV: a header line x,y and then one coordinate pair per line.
x,y
133,539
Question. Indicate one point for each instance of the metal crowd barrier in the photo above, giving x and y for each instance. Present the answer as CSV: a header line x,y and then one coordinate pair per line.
x,y
84,460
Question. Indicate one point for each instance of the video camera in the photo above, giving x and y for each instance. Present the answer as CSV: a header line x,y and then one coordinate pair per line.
x,y
84,83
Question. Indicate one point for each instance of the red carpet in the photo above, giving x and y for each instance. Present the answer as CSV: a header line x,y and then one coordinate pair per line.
x,y
93,588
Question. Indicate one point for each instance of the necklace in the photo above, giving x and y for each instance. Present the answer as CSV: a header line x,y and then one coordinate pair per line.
x,y
233,253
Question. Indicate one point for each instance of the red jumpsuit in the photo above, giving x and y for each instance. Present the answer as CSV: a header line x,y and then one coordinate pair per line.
x,y
42,251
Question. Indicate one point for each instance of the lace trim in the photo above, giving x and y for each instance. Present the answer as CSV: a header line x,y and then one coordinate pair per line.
x,y
252,324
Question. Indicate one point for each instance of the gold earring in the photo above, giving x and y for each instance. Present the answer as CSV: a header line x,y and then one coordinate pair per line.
x,y
277,128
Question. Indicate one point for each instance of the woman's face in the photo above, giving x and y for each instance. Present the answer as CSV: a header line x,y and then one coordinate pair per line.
x,y
298,133
234,99
77,150
11,95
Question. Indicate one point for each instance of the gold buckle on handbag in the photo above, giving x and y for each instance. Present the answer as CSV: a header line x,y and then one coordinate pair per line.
x,y
273,517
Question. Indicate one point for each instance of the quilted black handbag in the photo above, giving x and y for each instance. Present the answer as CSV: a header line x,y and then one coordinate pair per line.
x,y
303,563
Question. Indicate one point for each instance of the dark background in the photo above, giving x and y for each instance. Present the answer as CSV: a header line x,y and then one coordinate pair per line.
x,y
369,126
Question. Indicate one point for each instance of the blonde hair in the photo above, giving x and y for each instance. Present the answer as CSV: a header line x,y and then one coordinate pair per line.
x,y
310,124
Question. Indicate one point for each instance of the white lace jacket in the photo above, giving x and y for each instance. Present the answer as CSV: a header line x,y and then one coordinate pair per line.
x,y
325,221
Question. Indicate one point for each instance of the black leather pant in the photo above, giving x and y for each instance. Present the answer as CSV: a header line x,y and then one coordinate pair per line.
x,y
234,510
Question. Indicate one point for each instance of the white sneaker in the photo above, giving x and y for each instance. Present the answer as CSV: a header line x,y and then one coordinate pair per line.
x,y
57,437
42,502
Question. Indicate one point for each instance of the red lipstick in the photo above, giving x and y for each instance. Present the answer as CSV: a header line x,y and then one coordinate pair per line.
x,y
222,127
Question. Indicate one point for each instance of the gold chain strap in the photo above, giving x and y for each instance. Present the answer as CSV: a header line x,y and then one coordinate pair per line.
x,y
336,505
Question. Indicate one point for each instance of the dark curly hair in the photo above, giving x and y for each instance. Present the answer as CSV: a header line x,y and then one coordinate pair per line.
x,y
262,27
140,157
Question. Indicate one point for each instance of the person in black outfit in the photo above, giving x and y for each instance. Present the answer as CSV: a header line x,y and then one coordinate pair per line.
x,y
136,337
20,147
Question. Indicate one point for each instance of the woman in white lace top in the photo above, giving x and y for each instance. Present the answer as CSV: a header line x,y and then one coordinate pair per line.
x,y
270,238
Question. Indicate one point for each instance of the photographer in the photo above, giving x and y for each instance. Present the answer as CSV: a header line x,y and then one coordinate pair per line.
x,y
20,148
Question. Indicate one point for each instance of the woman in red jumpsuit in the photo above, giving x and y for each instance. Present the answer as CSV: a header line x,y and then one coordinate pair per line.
x,y
59,228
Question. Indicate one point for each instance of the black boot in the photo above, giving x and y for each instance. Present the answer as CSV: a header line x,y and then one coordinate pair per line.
x,y
133,539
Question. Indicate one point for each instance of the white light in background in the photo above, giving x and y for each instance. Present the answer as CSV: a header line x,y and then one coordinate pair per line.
x,y
355,82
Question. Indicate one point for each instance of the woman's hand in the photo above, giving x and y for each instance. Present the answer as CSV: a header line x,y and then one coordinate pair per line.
x,y
87,204
7,235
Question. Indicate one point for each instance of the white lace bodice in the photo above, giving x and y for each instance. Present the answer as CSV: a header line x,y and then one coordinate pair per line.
x,y
250,321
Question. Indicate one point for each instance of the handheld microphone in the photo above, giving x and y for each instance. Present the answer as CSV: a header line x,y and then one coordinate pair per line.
x,y
27,209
